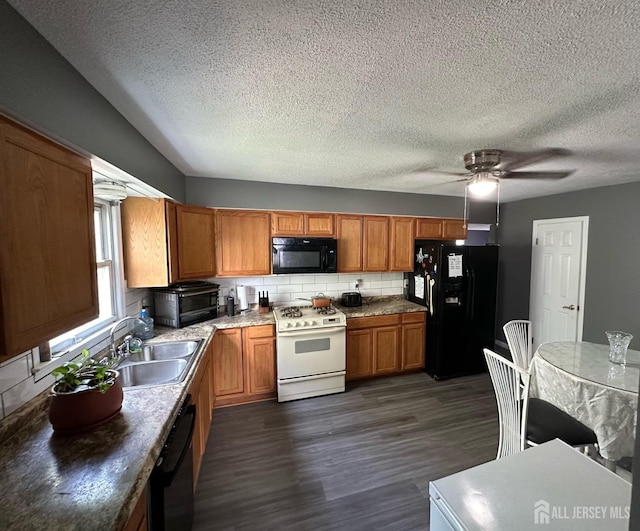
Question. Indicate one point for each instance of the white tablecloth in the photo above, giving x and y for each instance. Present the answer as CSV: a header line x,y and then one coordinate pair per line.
x,y
579,379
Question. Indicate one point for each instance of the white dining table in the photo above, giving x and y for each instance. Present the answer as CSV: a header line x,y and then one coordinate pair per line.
x,y
578,378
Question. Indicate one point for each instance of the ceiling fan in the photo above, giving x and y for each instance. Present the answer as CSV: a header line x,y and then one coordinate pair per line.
x,y
488,166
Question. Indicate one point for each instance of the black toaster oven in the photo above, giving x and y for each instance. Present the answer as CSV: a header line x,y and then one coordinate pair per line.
x,y
186,303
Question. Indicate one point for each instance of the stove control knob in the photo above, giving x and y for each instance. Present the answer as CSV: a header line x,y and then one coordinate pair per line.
x,y
298,323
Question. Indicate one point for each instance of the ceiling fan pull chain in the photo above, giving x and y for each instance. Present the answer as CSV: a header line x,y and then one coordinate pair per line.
x,y
498,206
464,216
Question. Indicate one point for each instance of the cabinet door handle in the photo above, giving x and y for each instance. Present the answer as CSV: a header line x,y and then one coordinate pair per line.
x,y
571,307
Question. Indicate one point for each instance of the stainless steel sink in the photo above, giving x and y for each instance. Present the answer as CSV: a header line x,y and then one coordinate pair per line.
x,y
152,373
158,364
167,350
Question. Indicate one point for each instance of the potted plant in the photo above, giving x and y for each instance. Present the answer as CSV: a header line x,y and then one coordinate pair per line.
x,y
86,394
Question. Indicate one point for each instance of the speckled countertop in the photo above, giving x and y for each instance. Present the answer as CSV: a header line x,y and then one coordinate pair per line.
x,y
93,481
248,318
89,481
384,305
381,306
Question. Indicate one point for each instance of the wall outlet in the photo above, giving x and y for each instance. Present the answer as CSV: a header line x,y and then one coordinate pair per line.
x,y
359,283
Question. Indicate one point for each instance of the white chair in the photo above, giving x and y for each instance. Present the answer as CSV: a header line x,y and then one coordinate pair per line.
x,y
518,334
510,384
528,421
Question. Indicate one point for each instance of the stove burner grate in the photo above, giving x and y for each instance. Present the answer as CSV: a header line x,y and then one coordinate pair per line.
x,y
327,310
291,311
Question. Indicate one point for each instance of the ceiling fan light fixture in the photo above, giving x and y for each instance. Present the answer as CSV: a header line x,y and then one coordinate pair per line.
x,y
482,184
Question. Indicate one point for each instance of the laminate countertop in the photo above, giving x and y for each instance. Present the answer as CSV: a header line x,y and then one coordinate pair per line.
x,y
92,481
89,481
381,306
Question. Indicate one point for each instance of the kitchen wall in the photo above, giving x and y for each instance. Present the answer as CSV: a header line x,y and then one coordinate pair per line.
x,y
612,294
18,384
40,88
229,193
286,289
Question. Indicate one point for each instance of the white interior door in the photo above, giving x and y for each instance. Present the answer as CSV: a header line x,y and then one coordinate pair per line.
x,y
558,270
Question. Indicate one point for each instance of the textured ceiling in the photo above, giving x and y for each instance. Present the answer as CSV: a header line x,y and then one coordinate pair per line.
x,y
380,95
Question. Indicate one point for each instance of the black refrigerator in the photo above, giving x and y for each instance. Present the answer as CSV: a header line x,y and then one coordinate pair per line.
x,y
458,286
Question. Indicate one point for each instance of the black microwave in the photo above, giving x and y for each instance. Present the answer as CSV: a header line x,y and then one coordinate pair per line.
x,y
304,255
186,303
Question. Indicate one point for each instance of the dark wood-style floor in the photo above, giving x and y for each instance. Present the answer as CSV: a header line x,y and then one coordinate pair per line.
x,y
357,460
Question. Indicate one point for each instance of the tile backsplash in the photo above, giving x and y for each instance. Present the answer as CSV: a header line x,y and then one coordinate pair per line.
x,y
285,289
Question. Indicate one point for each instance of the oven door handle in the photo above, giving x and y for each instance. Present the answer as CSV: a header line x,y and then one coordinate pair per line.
x,y
315,331
314,377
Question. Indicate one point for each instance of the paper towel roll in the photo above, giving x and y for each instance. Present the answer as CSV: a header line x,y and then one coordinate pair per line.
x,y
242,297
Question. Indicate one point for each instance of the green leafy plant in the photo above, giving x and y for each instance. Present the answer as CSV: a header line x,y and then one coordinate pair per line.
x,y
87,374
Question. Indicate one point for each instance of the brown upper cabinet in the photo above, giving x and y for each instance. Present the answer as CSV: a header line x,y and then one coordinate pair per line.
x,y
243,243
165,242
149,242
319,224
316,224
428,228
375,243
48,281
196,242
401,230
385,243
287,224
440,229
454,229
349,233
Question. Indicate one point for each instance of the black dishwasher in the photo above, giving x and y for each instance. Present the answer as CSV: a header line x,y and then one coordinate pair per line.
x,y
171,482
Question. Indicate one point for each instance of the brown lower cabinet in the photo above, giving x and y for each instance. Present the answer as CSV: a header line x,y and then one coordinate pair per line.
x,y
203,397
413,331
385,344
245,364
138,519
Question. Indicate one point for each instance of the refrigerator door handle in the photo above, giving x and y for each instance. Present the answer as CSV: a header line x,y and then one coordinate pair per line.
x,y
471,293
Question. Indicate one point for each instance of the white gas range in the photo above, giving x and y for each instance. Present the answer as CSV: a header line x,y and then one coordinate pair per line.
x,y
311,345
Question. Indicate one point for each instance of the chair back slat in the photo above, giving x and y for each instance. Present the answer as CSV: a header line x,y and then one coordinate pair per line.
x,y
511,386
518,334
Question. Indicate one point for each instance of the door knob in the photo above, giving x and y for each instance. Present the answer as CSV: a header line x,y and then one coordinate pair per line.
x,y
571,307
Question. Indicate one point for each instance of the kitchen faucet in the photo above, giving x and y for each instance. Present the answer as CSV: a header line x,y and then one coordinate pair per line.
x,y
123,349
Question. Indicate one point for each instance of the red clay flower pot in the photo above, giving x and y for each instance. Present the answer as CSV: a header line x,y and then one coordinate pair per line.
x,y
72,413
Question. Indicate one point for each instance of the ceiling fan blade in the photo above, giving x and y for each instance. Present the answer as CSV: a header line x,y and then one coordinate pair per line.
x,y
552,175
513,160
